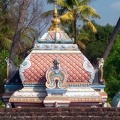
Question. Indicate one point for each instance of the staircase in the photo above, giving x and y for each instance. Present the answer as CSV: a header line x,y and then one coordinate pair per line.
x,y
69,113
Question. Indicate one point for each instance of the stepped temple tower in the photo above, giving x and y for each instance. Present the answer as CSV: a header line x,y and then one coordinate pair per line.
x,y
54,74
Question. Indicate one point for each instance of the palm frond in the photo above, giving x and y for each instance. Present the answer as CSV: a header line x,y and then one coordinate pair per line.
x,y
81,45
67,16
6,44
76,2
83,36
82,39
84,2
88,11
89,24
62,3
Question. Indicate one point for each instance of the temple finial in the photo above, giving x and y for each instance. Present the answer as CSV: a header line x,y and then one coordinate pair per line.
x,y
55,21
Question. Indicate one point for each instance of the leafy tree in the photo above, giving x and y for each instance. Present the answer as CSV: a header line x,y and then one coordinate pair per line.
x,y
6,24
3,55
82,39
34,24
112,70
29,25
19,27
98,41
96,48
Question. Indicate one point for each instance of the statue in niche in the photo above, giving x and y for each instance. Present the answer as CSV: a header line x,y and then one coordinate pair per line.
x,y
56,76
12,72
100,70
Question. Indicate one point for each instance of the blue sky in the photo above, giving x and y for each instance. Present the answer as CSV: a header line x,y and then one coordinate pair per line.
x,y
109,10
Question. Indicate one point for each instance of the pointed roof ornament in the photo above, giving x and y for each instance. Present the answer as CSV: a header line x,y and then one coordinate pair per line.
x,y
55,21
55,34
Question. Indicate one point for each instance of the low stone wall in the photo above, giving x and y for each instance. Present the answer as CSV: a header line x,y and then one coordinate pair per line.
x,y
69,113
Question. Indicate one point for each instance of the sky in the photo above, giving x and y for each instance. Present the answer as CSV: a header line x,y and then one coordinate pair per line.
x,y
109,11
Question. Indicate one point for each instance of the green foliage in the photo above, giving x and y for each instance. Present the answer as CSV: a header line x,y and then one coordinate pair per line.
x,y
1,104
7,25
112,70
3,54
3,66
98,42
95,49
18,60
8,21
112,87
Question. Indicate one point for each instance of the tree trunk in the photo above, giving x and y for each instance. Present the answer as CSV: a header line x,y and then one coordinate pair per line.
x,y
112,40
19,27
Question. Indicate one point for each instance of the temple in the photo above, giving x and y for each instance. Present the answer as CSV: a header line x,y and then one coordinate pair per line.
x,y
55,74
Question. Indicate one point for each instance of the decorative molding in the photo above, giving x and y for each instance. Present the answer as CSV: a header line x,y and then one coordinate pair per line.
x,y
29,94
78,84
55,37
56,76
27,100
88,67
55,51
25,65
64,47
85,99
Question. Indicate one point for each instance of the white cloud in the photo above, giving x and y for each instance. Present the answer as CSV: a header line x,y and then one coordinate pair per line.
x,y
116,5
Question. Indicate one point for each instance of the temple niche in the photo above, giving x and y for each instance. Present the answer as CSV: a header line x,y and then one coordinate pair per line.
x,y
55,74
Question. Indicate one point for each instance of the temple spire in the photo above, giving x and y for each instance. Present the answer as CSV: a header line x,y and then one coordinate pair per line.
x,y
55,21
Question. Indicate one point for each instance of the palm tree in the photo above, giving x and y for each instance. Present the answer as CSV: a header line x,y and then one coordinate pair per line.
x,y
79,10
76,10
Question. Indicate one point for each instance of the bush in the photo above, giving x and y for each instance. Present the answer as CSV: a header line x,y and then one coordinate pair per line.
x,y
3,54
